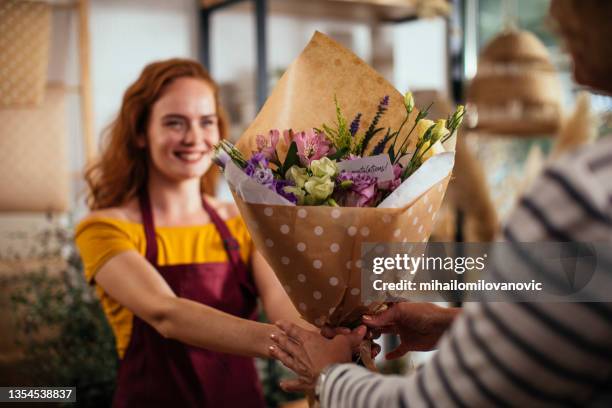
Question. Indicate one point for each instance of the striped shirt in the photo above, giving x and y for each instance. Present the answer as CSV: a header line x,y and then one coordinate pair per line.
x,y
516,354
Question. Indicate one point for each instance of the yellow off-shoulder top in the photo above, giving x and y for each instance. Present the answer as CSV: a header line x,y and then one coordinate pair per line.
x,y
100,239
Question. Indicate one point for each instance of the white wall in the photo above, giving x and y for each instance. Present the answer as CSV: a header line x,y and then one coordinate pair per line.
x,y
233,40
128,34
420,56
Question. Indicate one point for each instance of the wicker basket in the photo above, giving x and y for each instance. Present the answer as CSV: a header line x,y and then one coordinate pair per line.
x,y
516,90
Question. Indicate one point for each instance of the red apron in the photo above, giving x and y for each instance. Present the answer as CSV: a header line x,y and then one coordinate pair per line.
x,y
159,372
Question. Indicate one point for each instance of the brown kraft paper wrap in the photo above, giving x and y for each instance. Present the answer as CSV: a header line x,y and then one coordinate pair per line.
x,y
315,251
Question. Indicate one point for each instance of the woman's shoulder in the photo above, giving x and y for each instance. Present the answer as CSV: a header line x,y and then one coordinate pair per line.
x,y
124,214
226,210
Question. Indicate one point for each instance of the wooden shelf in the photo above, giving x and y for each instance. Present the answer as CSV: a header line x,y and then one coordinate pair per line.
x,y
367,11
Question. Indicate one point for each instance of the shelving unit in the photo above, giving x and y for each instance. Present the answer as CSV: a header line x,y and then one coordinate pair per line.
x,y
369,11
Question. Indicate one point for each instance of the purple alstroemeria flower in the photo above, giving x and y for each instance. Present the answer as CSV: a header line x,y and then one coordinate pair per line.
x,y
267,146
311,145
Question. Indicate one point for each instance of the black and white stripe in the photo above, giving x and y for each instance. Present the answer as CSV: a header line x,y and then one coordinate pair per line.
x,y
520,354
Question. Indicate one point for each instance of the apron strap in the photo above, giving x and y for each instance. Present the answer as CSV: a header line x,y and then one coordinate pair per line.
x,y
232,248
149,225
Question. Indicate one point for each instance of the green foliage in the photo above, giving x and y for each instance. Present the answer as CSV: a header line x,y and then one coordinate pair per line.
x,y
341,136
290,160
61,328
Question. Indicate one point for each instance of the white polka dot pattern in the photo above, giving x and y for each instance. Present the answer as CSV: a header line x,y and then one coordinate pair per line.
x,y
316,254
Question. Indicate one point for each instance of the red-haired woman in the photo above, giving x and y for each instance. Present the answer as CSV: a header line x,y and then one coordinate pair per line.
x,y
175,270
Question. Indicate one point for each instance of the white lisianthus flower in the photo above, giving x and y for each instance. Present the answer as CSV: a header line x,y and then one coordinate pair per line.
x,y
298,175
324,167
298,192
319,188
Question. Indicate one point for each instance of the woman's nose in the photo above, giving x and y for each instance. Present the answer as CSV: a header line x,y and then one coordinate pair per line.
x,y
192,136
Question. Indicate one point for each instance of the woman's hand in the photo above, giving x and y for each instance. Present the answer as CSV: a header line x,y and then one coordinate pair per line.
x,y
307,353
419,325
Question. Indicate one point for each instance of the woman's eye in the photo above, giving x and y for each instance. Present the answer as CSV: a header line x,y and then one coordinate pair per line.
x,y
175,124
208,122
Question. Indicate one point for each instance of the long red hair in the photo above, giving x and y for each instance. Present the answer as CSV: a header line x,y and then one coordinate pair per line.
x,y
120,171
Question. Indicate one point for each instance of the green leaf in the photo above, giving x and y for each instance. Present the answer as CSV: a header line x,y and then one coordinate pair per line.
x,y
340,153
392,153
291,159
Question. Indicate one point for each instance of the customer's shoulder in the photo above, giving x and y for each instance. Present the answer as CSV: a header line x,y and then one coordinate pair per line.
x,y
594,157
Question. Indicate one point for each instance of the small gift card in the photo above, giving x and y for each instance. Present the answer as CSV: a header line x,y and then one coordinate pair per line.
x,y
378,166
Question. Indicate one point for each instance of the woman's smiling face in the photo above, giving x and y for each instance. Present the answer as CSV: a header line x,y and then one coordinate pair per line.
x,y
182,130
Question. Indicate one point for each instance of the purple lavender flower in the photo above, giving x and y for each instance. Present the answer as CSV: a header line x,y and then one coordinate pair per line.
x,y
384,102
355,125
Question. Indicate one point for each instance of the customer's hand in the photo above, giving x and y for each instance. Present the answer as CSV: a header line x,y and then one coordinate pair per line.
x,y
308,353
419,325
331,332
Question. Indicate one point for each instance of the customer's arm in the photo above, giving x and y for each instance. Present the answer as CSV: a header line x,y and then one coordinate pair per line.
x,y
519,354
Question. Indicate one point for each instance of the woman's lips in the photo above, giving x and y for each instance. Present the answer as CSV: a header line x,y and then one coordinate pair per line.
x,y
189,157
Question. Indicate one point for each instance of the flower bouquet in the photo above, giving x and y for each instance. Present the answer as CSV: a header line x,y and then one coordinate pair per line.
x,y
313,186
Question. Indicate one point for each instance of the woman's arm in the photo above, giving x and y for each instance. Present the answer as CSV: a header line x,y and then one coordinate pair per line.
x,y
135,284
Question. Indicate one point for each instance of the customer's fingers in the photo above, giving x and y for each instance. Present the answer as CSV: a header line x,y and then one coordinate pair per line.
x,y
382,319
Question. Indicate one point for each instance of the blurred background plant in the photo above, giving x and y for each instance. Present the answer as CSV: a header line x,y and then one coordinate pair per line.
x,y
60,331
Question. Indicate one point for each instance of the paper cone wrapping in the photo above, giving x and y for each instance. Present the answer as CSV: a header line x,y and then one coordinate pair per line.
x,y
304,96
315,251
